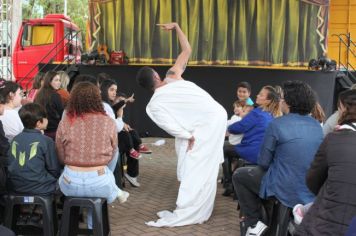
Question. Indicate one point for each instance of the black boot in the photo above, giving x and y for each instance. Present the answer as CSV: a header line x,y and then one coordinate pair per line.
x,y
228,190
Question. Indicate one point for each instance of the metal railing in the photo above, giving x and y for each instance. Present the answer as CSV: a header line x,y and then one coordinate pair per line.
x,y
350,47
5,39
49,59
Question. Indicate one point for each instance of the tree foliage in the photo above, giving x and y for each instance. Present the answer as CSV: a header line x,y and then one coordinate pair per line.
x,y
76,9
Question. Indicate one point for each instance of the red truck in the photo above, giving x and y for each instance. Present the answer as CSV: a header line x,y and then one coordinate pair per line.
x,y
54,39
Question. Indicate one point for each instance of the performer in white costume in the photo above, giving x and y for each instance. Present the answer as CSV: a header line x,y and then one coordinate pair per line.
x,y
198,124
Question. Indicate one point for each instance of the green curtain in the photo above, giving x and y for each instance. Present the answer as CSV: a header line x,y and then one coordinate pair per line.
x,y
224,32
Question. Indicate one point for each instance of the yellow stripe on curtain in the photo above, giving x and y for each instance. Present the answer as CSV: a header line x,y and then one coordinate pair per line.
x,y
42,35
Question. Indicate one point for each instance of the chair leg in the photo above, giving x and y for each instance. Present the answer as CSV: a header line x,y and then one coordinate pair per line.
x,y
69,222
11,214
283,220
106,220
49,217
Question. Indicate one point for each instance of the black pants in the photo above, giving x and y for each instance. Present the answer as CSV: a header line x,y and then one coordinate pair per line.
x,y
127,141
229,155
247,183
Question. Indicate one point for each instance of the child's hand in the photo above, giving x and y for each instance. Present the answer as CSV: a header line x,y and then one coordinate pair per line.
x,y
131,99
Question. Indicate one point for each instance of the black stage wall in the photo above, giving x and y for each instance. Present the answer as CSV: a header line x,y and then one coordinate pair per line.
x,y
220,82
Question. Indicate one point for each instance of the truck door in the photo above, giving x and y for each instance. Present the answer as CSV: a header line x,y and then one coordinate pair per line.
x,y
37,41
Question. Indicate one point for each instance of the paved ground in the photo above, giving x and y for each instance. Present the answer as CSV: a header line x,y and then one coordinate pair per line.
x,y
158,191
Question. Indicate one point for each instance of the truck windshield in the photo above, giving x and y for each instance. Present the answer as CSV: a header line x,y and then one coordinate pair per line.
x,y
36,35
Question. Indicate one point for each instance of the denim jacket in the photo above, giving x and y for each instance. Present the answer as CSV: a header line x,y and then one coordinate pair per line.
x,y
288,148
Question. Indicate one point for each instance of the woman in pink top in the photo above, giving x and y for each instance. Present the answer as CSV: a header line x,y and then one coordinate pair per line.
x,y
86,142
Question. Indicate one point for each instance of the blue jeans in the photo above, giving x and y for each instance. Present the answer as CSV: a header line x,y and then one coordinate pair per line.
x,y
113,162
89,184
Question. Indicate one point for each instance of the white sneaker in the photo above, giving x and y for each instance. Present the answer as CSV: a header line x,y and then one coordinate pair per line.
x,y
298,213
123,196
133,180
259,229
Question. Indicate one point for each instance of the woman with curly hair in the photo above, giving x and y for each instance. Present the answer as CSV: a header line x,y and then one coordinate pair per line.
x,y
86,142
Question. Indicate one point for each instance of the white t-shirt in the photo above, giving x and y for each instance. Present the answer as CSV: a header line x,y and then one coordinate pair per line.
x,y
234,138
12,123
110,112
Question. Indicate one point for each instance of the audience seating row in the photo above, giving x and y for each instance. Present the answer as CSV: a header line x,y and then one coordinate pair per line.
x,y
69,220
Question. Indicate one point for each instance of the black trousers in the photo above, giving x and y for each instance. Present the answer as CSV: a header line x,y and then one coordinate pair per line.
x,y
247,183
127,141
229,155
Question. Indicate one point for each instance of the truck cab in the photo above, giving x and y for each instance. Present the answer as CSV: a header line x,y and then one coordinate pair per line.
x,y
53,39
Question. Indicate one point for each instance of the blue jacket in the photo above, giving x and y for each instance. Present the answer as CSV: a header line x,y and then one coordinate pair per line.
x,y
33,167
253,127
288,149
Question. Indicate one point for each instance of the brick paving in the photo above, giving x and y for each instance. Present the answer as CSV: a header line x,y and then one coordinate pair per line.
x,y
158,191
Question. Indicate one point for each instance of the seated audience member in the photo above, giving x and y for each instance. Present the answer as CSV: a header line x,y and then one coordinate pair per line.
x,y
86,142
130,142
62,91
332,121
243,93
33,167
254,124
4,147
332,177
10,118
318,113
288,148
103,76
48,97
241,109
37,84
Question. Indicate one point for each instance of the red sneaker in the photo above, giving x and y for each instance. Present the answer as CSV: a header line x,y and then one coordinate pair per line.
x,y
144,149
134,154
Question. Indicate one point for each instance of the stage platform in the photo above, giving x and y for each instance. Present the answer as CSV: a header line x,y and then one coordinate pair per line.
x,y
219,81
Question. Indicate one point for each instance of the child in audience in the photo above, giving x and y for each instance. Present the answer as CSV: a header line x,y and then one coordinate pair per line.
x,y
10,119
33,166
51,101
240,110
243,93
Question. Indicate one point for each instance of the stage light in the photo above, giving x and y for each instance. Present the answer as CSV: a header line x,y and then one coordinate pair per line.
x,y
322,62
313,64
330,65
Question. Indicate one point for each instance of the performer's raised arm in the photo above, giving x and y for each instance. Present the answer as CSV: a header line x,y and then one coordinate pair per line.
x,y
177,70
